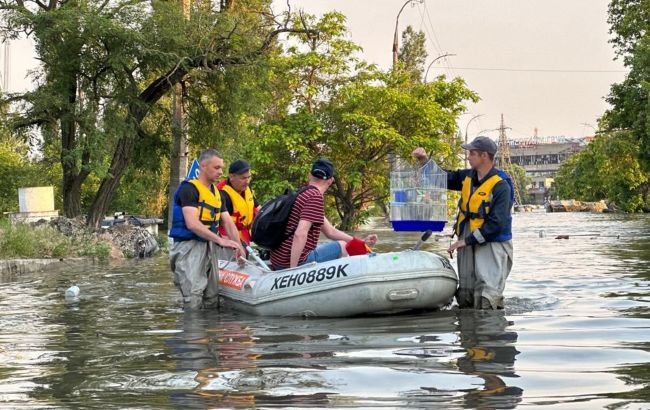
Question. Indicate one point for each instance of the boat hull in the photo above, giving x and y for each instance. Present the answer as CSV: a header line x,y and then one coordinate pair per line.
x,y
376,283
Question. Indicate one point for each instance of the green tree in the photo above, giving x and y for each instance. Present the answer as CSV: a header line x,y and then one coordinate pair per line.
x,y
608,168
521,181
413,53
630,26
354,116
106,65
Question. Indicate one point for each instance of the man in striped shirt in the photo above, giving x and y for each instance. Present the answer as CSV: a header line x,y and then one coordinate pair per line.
x,y
307,220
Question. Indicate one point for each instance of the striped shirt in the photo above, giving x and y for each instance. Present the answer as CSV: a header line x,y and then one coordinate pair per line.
x,y
310,206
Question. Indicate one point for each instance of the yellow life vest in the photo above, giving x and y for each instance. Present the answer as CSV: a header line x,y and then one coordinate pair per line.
x,y
209,205
243,209
475,205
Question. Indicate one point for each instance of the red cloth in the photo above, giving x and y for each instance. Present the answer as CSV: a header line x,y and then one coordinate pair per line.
x,y
357,247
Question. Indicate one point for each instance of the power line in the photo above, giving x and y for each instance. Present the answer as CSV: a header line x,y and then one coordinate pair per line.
x,y
437,42
539,70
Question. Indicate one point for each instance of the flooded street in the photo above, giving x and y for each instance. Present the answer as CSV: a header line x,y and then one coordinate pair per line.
x,y
575,334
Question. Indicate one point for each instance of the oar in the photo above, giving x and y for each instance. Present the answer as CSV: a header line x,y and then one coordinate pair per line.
x,y
259,260
423,239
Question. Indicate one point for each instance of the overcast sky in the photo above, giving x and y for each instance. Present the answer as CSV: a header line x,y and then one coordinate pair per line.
x,y
566,40
542,63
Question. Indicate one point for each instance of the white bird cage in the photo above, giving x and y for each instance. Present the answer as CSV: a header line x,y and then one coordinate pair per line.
x,y
418,196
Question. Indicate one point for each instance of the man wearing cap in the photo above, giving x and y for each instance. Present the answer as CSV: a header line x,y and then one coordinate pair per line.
x,y
483,227
307,220
238,198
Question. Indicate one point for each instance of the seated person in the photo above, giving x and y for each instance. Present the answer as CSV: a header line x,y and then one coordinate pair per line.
x,y
307,220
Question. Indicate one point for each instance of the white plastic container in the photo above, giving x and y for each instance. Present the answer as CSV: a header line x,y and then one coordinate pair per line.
x,y
72,292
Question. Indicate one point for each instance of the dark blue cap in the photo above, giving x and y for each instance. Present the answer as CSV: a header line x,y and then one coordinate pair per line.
x,y
239,167
322,169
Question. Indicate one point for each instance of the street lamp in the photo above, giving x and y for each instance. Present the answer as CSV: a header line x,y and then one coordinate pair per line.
x,y
466,128
586,124
426,73
395,36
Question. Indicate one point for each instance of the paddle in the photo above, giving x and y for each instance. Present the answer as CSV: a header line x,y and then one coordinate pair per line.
x,y
259,261
423,239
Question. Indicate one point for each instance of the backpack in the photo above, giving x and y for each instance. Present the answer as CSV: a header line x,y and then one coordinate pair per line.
x,y
268,230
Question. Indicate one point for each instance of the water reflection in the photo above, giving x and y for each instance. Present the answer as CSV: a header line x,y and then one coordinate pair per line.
x,y
574,333
490,355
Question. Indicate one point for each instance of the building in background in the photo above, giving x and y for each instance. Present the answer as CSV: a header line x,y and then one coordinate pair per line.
x,y
541,158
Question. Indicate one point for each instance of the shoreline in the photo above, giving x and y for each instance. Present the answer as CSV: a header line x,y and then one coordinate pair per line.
x,y
31,265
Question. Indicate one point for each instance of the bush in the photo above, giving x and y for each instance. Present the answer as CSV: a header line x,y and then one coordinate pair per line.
x,y
27,241
43,241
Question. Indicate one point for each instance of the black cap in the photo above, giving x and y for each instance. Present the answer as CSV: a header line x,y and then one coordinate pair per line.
x,y
322,169
482,144
239,167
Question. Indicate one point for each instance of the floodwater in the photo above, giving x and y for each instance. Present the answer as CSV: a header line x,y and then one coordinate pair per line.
x,y
575,334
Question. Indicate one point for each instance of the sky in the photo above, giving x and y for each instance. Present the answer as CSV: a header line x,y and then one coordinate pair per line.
x,y
544,64
561,47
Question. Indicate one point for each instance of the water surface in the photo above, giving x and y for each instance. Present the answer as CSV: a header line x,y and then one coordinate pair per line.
x,y
575,334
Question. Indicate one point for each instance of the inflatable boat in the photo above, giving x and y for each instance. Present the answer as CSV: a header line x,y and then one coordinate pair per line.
x,y
375,283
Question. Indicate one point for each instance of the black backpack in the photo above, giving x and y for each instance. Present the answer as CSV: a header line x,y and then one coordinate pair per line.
x,y
268,230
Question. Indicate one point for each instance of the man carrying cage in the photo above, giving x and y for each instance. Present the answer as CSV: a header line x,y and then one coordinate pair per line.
x,y
483,226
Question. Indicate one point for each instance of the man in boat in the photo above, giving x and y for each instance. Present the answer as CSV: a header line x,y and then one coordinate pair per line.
x,y
238,199
483,226
197,214
307,220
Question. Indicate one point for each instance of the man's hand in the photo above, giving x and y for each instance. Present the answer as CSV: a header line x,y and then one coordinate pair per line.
x,y
371,240
236,246
456,245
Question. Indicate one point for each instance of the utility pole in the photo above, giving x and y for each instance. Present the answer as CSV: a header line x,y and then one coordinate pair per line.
x,y
178,159
426,73
503,159
396,34
466,128
6,67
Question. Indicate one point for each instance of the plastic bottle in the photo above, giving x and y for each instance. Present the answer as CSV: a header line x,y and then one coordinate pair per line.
x,y
72,292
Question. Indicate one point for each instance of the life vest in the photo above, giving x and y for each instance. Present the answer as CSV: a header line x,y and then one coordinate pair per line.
x,y
474,205
209,211
243,210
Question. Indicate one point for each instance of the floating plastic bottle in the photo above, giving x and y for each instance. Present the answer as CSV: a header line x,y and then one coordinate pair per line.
x,y
72,292
418,196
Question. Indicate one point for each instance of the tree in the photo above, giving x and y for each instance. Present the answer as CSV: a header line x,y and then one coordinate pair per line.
x,y
355,116
106,65
607,169
413,53
630,26
521,181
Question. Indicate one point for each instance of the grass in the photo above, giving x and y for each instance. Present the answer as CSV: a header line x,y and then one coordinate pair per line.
x,y
42,241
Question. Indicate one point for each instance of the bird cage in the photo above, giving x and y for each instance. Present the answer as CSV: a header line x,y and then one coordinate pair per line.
x,y
418,196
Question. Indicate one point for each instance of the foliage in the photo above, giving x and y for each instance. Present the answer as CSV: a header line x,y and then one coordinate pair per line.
x,y
630,27
42,241
608,168
356,119
17,170
106,65
413,53
521,181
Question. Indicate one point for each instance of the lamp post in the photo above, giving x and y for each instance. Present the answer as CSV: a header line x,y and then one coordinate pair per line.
x,y
586,124
426,73
466,128
396,34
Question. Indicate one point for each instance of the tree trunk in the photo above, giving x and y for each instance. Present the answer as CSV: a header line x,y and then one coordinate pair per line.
x,y
348,213
139,109
71,185
178,160
348,221
111,182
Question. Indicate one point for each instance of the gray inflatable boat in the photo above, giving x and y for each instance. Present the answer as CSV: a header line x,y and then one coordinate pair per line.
x,y
375,283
